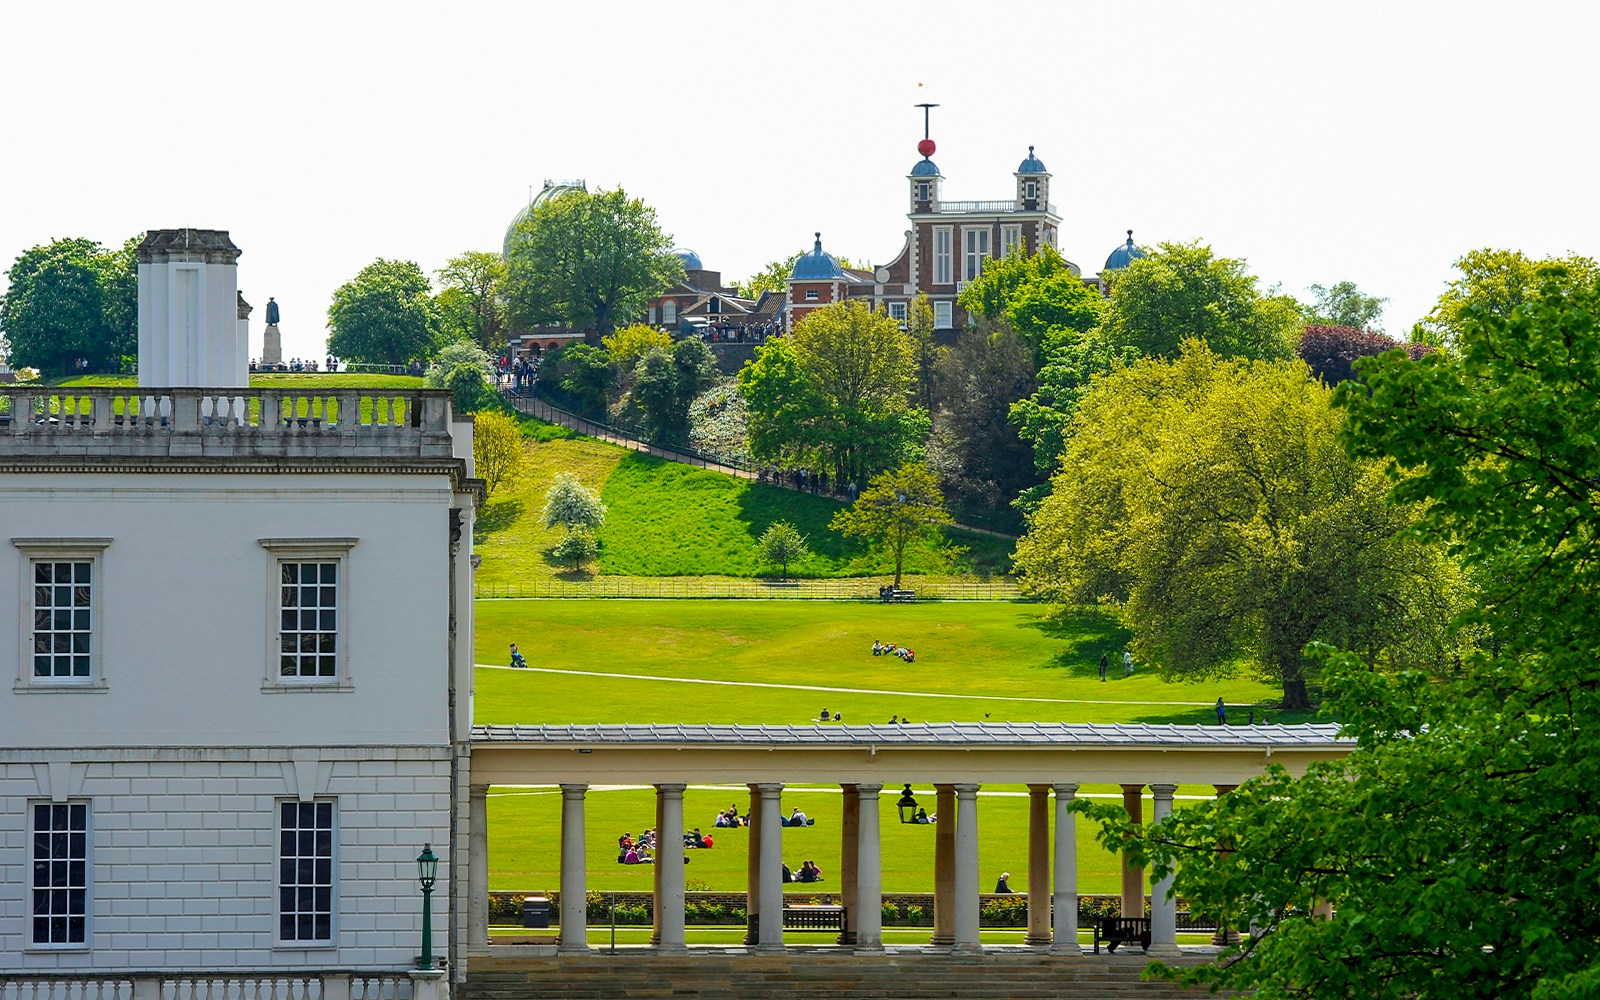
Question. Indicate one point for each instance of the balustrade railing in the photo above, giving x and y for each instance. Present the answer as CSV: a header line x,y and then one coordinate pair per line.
x,y
266,985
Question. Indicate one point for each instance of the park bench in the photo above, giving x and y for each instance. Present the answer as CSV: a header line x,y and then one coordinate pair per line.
x,y
1121,930
892,596
813,917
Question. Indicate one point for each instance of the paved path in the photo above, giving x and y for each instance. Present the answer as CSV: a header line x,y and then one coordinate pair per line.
x,y
841,690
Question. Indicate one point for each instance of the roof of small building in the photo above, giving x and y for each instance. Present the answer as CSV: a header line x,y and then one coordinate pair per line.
x,y
816,265
925,168
1124,255
1081,735
1032,165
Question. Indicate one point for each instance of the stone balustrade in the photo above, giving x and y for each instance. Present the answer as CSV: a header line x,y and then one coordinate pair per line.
x,y
232,985
63,423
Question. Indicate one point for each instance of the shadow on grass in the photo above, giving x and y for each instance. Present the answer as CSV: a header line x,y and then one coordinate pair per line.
x,y
1087,634
497,516
1266,713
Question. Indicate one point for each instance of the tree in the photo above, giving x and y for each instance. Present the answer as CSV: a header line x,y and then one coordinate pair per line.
x,y
1343,304
72,299
1332,351
497,453
1499,281
1212,501
1038,296
584,372
980,460
384,315
835,392
898,509
1044,417
470,298
464,368
665,384
783,544
572,505
578,547
773,277
630,343
588,260
1182,291
1456,843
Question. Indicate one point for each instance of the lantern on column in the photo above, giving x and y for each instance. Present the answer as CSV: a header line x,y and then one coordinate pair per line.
x,y
908,805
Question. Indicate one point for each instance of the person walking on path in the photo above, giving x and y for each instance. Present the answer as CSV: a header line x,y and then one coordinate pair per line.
x,y
1222,713
1103,662
1127,663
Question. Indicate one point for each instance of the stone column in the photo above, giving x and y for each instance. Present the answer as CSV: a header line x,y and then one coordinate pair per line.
x,y
868,913
770,903
669,868
655,869
574,884
1225,935
478,865
1132,874
849,848
1163,905
967,902
1066,898
944,866
752,865
1038,865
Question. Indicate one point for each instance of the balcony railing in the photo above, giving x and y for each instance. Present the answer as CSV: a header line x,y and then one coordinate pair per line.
x,y
233,985
982,207
216,422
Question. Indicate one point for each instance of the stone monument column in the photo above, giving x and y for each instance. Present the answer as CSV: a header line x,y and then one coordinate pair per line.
x,y
272,339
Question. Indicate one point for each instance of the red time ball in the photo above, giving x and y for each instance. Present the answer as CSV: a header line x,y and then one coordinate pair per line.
x,y
926,147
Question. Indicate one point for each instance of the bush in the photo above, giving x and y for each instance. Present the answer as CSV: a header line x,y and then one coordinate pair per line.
x,y
1007,911
496,449
465,370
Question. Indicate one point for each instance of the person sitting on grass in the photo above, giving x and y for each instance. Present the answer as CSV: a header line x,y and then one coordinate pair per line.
x,y
694,838
797,818
921,817
517,659
809,873
877,648
823,715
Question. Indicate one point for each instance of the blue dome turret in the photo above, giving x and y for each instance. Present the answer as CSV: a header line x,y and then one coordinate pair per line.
x,y
1124,255
816,265
1032,165
691,260
925,168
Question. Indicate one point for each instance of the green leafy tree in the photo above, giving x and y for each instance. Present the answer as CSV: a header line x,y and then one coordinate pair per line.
x,y
588,260
72,299
773,277
1043,418
1182,291
572,505
665,384
919,327
464,368
1039,297
782,544
497,450
1456,844
384,315
836,391
470,298
632,342
1212,501
899,509
975,451
1343,304
1498,281
584,372
576,547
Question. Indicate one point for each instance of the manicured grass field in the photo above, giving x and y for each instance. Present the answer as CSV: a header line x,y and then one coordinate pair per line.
x,y
300,381
525,828
1004,661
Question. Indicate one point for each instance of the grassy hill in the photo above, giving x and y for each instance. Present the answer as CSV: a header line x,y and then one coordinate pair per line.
x,y
667,519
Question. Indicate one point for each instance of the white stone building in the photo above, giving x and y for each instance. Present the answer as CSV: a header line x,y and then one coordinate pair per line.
x,y
239,701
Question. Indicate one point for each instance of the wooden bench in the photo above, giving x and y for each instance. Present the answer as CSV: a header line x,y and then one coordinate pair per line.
x,y
1121,930
898,596
813,917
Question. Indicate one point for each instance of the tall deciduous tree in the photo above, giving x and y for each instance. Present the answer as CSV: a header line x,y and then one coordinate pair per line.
x,y
1498,281
464,369
783,544
1038,296
981,461
497,449
72,299
470,298
899,509
665,383
1343,304
837,392
1456,845
1211,500
588,260
384,315
1183,291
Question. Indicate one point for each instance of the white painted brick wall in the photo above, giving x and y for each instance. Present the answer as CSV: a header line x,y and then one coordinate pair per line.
x,y
184,856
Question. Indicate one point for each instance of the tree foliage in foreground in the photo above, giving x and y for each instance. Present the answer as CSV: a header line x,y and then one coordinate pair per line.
x,y
71,299
1498,281
899,509
1212,500
1459,843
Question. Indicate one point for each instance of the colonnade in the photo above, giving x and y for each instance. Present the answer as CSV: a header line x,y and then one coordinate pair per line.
x,y
957,887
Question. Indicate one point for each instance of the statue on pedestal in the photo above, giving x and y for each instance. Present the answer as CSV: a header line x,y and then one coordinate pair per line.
x,y
272,311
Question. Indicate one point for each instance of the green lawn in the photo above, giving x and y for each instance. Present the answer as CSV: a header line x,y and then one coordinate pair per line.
x,y
601,935
1004,659
525,825
300,381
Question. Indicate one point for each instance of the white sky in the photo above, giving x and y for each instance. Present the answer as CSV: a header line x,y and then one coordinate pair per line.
x,y
1374,142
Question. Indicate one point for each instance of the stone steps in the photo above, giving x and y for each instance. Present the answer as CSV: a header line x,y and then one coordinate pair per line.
x,y
714,976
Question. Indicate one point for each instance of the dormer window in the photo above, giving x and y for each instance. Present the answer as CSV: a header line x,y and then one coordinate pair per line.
x,y
922,191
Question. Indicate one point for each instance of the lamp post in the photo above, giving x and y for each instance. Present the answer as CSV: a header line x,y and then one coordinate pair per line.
x,y
907,806
427,873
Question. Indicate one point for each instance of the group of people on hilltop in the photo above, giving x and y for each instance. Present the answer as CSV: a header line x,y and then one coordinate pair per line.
x,y
807,481
891,649
517,374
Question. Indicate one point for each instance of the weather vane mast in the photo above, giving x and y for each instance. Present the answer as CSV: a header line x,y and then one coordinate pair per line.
x,y
926,108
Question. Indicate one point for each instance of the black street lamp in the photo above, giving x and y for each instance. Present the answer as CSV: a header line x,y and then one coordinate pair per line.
x,y
908,805
427,874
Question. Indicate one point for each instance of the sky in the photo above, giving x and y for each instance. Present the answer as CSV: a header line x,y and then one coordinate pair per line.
x,y
1319,142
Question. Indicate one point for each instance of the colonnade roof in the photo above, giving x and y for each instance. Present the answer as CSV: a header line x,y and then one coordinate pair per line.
x,y
1052,735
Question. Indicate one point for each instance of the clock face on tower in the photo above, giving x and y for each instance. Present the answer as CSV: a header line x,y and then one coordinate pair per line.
x,y
883,274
